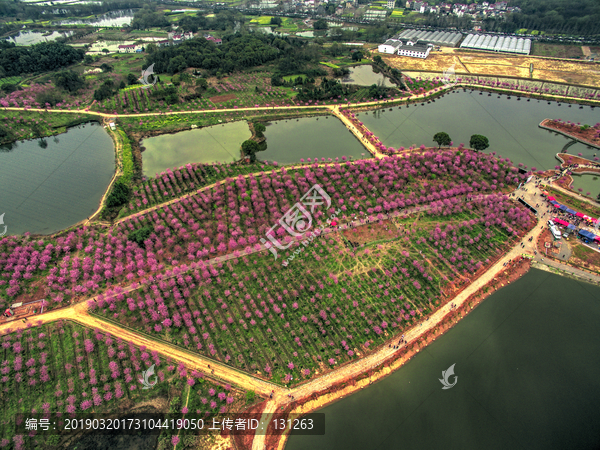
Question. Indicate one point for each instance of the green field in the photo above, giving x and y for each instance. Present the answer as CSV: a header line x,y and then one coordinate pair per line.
x,y
9,80
289,25
293,77
262,20
556,50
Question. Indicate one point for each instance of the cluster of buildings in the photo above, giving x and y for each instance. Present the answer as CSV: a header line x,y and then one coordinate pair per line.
x,y
506,44
475,10
418,43
406,47
173,38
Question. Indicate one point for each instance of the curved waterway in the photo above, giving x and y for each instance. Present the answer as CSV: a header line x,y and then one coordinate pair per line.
x,y
511,125
50,184
527,363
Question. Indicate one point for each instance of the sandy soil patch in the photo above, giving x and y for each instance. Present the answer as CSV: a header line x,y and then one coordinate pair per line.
x,y
557,70
370,232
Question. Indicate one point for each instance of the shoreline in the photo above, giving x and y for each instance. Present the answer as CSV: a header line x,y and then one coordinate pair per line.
x,y
512,272
544,124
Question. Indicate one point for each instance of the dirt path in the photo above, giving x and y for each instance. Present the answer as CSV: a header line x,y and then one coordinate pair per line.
x,y
118,173
79,313
356,132
573,194
284,108
368,362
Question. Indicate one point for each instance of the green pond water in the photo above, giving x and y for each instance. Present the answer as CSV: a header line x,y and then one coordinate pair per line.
x,y
511,125
219,143
290,140
44,190
364,76
527,361
588,183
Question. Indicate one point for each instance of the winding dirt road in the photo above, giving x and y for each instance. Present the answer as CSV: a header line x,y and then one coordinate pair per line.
x,y
79,312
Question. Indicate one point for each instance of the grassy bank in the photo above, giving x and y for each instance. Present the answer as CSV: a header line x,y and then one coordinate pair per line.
x,y
21,125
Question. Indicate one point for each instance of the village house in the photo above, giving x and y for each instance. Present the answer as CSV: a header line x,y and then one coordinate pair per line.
x,y
216,41
131,48
415,50
390,46
406,47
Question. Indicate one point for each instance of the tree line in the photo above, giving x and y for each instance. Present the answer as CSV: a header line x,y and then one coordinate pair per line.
x,y
37,58
23,10
235,53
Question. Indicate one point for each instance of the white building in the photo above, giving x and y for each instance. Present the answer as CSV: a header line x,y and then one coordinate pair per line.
x,y
415,50
132,48
375,14
406,47
390,46
391,4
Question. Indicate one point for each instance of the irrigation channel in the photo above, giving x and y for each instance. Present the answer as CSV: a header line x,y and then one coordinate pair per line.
x,y
527,360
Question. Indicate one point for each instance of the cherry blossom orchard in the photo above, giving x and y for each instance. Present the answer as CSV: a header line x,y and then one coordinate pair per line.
x,y
193,273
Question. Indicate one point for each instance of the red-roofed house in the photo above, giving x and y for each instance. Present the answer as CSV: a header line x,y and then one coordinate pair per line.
x,y
217,41
131,48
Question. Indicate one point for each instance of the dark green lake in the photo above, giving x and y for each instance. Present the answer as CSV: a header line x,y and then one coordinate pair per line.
x,y
527,361
44,190
511,125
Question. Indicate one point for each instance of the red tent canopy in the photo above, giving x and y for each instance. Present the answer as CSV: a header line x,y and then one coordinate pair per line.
x,y
561,222
579,214
551,198
556,205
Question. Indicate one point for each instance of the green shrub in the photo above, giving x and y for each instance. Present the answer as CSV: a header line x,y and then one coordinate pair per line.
x,y
119,195
139,236
127,158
